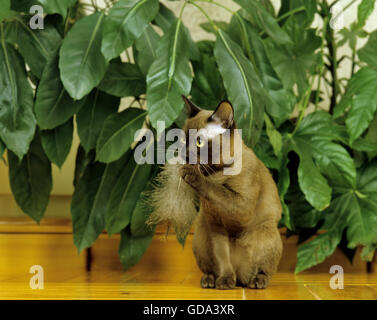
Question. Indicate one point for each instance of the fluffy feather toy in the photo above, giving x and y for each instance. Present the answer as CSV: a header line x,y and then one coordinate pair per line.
x,y
173,201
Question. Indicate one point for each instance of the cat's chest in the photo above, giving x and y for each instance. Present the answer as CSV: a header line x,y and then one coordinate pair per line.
x,y
221,218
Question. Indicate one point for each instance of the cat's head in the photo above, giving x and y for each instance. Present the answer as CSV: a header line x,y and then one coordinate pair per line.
x,y
210,135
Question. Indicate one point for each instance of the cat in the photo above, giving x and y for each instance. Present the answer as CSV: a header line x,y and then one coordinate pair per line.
x,y
236,239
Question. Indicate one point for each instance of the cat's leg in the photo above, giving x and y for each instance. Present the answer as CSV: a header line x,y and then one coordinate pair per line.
x,y
261,249
202,248
211,250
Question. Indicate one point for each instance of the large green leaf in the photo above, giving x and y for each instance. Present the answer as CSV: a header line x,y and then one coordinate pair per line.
x,y
165,19
53,105
17,121
304,18
4,9
57,6
313,141
123,80
23,5
82,65
242,86
117,134
138,224
312,183
367,53
90,200
145,49
293,62
2,149
363,103
36,46
125,194
316,132
125,23
97,107
353,209
169,76
281,101
57,142
264,20
207,88
364,10
31,180
131,248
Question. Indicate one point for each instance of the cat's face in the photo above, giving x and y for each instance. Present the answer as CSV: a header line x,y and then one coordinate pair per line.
x,y
208,133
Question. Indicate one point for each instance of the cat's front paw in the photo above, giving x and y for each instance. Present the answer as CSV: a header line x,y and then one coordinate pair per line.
x,y
189,174
226,282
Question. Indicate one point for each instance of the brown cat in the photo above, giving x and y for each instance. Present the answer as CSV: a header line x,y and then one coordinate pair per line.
x,y
236,240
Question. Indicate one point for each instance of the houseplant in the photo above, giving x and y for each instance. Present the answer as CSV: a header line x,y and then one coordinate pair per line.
x,y
275,68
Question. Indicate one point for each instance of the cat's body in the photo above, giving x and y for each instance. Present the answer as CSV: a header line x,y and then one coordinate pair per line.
x,y
236,239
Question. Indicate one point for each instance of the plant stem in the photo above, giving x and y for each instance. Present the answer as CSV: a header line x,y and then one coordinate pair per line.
x,y
332,47
290,13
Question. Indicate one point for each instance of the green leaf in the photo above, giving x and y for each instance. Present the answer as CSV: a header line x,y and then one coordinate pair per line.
x,y
82,65
169,76
312,183
334,162
207,87
264,20
2,149
207,26
57,6
131,249
363,105
90,119
353,209
117,134
125,23
22,5
364,10
274,136
17,121
367,53
31,180
242,86
125,194
142,211
293,62
57,142
90,200
53,105
304,18
280,102
123,80
4,9
145,49
368,252
36,46
165,18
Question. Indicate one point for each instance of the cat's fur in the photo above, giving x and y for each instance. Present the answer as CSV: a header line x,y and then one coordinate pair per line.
x,y
236,240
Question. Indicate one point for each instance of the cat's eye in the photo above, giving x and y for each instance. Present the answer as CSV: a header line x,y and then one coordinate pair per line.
x,y
199,142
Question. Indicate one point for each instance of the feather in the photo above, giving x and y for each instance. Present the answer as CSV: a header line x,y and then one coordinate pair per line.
x,y
173,201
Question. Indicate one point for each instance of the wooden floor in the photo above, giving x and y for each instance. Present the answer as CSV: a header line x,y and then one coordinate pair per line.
x,y
165,272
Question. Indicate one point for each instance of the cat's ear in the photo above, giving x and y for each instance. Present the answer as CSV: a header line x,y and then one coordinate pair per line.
x,y
224,114
191,108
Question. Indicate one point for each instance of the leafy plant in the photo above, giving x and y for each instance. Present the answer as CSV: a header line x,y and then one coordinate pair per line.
x,y
317,132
